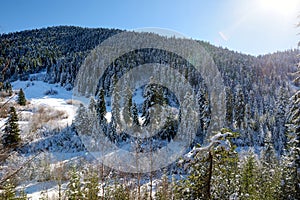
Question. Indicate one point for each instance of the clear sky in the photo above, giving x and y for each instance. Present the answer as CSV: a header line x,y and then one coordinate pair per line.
x,y
249,26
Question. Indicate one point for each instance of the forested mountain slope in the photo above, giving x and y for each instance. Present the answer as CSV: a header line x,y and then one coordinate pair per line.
x,y
257,88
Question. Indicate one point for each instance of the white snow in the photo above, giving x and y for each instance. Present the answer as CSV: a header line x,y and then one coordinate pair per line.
x,y
35,93
37,89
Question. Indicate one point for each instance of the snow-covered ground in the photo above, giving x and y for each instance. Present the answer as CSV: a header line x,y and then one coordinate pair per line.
x,y
35,93
61,101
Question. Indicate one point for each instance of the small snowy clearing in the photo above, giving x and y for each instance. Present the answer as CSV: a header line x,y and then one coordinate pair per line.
x,y
35,91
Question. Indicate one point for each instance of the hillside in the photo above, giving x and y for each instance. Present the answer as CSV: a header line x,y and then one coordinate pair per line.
x,y
54,125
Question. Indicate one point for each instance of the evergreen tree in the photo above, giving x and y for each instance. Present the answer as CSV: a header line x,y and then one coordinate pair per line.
x,y
83,121
92,105
279,132
203,102
118,192
225,172
11,135
101,107
248,132
135,117
249,177
91,188
291,160
239,107
197,184
229,107
270,172
153,94
22,195
209,175
164,192
74,190
9,191
116,105
127,108
21,98
147,104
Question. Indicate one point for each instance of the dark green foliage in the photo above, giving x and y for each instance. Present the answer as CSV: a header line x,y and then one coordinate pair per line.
x,y
83,120
169,129
91,188
165,190
121,193
279,131
225,180
92,106
270,174
153,94
118,192
9,192
204,106
229,107
52,49
127,110
197,185
21,98
291,160
74,189
253,107
116,105
101,107
239,107
135,117
22,195
249,176
11,137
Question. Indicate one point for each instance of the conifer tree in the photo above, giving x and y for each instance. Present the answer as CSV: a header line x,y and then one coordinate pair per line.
x,y
270,172
9,192
248,132
101,107
203,101
74,190
92,105
225,182
249,177
164,192
22,195
279,132
135,117
116,102
239,107
229,107
11,135
127,108
83,120
291,160
21,98
91,188
147,104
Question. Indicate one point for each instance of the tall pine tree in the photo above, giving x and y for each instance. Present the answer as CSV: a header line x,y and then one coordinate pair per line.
x,y
74,190
21,98
292,157
239,113
279,132
101,108
11,137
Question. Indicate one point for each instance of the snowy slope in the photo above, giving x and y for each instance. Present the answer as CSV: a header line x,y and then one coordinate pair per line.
x,y
35,93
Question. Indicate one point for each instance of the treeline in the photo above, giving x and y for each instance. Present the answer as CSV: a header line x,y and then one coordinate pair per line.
x,y
216,171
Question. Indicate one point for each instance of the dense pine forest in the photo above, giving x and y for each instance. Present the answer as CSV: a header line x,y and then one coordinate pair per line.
x,y
254,156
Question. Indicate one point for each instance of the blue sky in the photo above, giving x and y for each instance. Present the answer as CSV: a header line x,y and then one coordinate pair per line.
x,y
249,26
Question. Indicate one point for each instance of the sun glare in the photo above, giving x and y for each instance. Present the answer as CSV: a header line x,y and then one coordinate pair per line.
x,y
281,7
